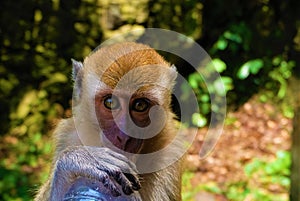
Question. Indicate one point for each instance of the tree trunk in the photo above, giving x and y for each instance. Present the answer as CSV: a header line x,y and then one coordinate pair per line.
x,y
295,170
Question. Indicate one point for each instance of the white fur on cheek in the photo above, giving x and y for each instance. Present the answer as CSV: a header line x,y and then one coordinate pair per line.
x,y
85,117
91,83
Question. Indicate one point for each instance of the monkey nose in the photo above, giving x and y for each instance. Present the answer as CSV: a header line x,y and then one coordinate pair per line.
x,y
122,140
127,143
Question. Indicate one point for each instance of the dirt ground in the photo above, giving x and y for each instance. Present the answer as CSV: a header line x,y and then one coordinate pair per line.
x,y
255,130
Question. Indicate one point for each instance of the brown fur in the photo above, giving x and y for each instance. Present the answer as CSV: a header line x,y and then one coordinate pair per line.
x,y
121,58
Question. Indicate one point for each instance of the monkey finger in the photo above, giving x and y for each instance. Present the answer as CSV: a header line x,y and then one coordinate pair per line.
x,y
135,182
121,158
127,186
109,184
104,178
113,164
128,181
113,158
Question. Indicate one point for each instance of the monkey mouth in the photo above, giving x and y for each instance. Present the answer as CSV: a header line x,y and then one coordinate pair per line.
x,y
126,146
132,146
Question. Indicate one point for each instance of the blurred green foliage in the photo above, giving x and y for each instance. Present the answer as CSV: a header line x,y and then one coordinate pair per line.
x,y
262,176
189,191
38,39
254,45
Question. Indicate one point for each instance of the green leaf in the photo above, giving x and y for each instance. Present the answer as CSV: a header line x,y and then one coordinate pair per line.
x,y
199,120
221,44
193,80
253,166
252,66
219,87
204,98
227,83
276,60
219,65
255,65
233,36
25,104
58,78
55,78
243,72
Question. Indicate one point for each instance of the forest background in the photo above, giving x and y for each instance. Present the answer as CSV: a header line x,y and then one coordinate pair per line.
x,y
255,46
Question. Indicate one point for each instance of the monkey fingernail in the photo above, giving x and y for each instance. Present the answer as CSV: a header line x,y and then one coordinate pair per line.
x,y
127,190
136,186
134,181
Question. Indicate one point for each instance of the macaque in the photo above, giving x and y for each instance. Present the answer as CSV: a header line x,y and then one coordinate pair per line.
x,y
120,143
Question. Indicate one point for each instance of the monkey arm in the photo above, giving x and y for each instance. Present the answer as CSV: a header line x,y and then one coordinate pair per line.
x,y
98,165
43,193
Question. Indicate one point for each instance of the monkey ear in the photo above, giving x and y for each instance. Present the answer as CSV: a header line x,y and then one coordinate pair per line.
x,y
77,66
174,71
173,75
167,77
77,78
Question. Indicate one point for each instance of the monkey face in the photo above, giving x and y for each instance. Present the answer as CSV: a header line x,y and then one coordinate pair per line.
x,y
120,118
131,93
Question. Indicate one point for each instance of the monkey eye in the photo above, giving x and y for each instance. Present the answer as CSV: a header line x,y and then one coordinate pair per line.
x,y
111,102
140,105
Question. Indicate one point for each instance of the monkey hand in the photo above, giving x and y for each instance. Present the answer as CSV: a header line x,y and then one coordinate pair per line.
x,y
98,168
